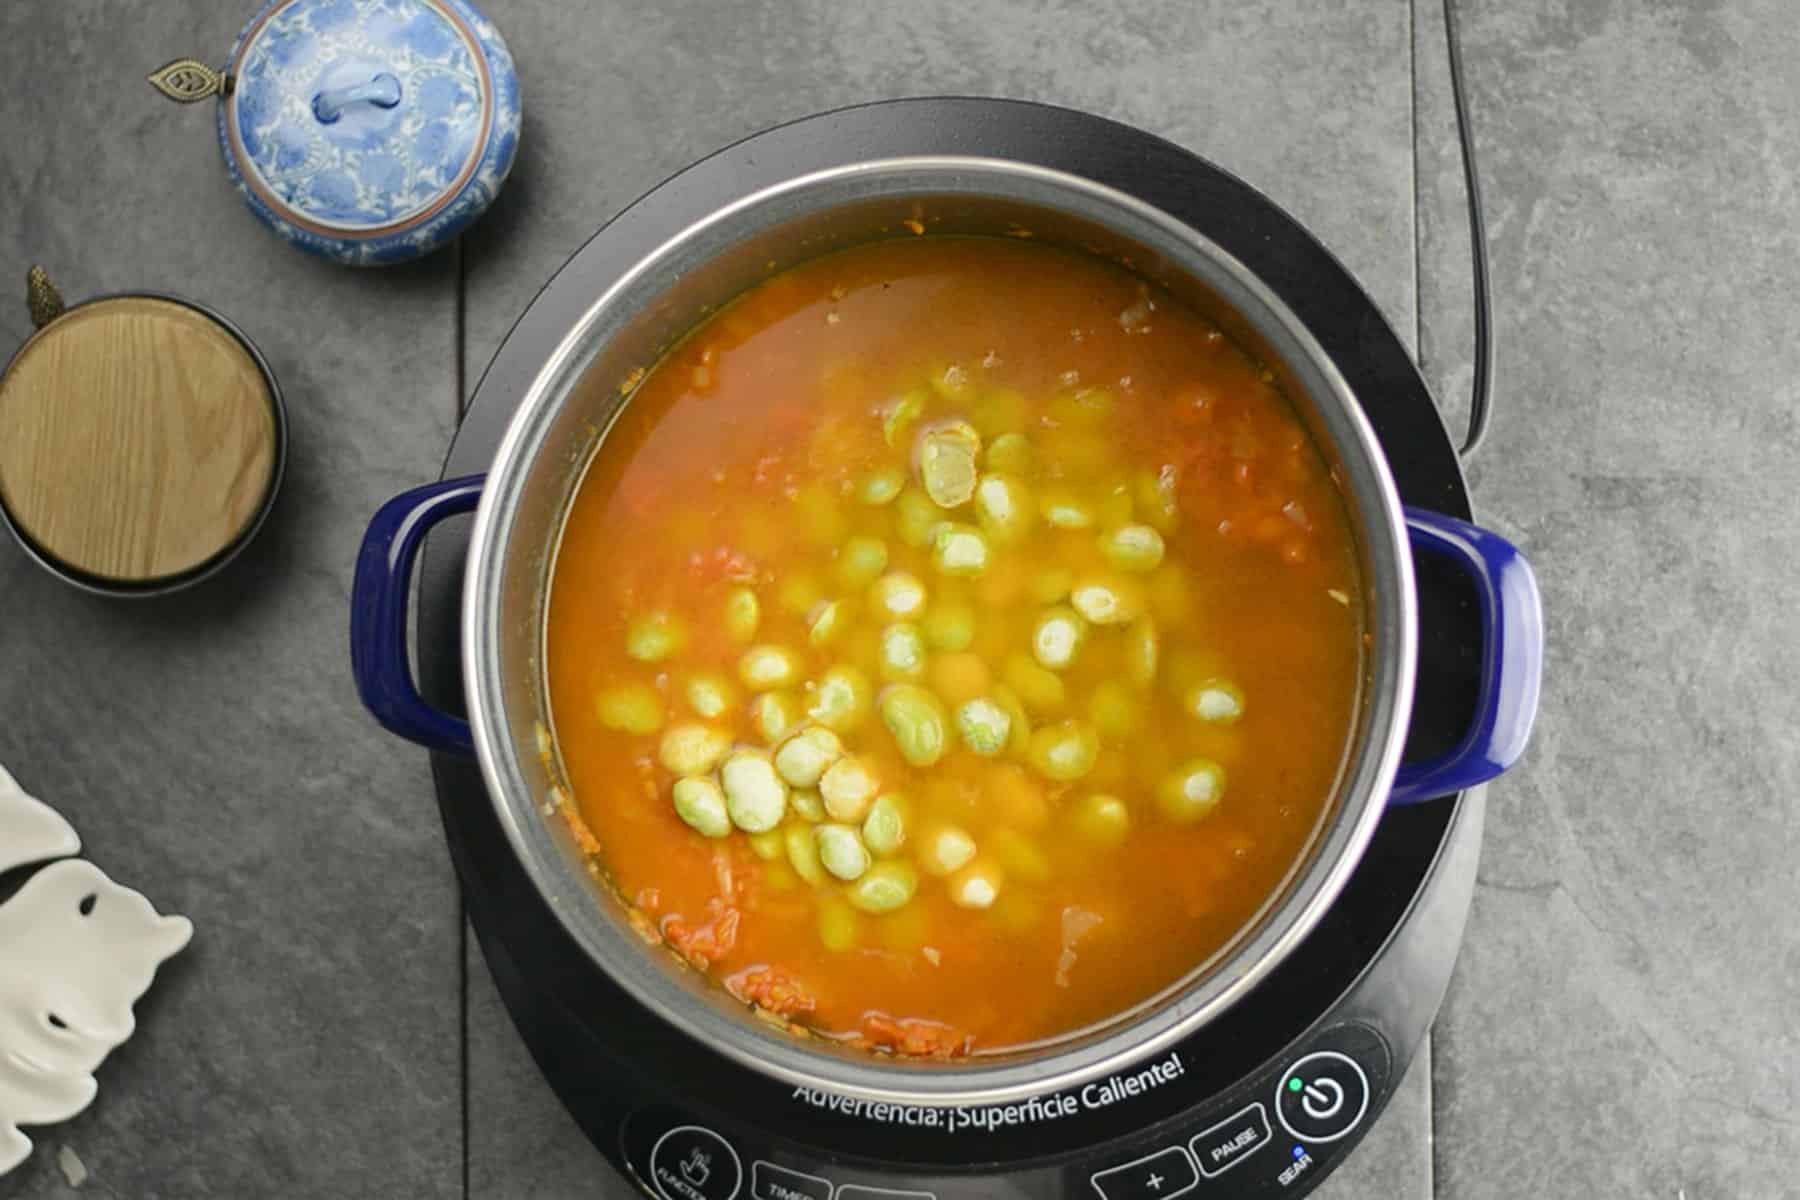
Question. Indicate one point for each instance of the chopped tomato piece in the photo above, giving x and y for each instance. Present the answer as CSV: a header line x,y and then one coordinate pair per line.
x,y
770,988
913,1036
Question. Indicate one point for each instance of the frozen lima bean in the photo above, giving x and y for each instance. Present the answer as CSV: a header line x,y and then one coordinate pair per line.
x,y
985,726
884,887
897,596
710,695
944,459
917,721
884,829
841,851
765,667
842,699
655,637
755,796
1133,547
803,759
902,651
1215,701
1191,791
690,748
743,614
848,788
631,708
701,803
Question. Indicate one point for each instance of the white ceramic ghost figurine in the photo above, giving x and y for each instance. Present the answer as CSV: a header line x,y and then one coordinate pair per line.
x,y
30,830
76,951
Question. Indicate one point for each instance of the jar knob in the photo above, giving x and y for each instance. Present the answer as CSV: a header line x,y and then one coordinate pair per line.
x,y
187,80
383,91
42,298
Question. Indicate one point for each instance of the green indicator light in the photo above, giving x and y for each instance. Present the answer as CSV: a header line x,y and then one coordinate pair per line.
x,y
1294,1085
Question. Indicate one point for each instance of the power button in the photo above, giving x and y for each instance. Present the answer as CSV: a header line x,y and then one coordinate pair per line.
x,y
1322,1097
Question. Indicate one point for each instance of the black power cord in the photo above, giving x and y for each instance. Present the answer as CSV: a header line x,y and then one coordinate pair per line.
x,y
1481,393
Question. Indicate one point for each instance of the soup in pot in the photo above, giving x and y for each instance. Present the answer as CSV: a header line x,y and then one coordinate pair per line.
x,y
954,643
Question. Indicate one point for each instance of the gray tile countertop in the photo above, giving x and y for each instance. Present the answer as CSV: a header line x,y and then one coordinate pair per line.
x,y
1623,1021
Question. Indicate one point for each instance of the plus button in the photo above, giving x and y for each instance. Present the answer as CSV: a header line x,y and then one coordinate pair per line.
x,y
1164,1175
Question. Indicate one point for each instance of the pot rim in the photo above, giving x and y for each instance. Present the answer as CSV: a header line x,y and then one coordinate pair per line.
x,y
1151,1027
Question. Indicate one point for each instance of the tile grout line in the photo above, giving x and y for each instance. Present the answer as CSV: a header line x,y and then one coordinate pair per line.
x,y
462,915
459,368
462,1012
1412,59
1418,307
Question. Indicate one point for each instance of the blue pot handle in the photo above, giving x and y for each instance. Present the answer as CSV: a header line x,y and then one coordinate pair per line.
x,y
1512,658
378,604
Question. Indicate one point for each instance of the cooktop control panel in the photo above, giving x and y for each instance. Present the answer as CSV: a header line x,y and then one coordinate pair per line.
x,y
1276,1134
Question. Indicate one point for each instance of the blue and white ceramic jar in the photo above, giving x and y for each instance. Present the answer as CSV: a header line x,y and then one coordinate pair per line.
x,y
365,131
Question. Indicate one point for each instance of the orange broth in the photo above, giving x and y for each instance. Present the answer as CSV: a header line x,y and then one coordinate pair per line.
x,y
737,464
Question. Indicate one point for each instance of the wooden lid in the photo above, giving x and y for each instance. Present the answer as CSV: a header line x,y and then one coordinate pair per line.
x,y
138,439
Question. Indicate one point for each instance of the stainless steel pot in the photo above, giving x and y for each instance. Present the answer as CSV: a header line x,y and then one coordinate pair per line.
x,y
583,386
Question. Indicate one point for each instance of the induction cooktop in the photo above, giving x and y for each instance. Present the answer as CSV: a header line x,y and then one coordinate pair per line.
x,y
1265,1101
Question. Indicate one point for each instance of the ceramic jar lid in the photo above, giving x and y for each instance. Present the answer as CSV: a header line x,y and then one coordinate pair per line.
x,y
142,440
365,131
